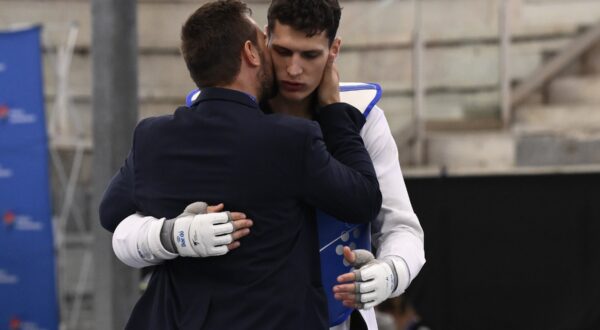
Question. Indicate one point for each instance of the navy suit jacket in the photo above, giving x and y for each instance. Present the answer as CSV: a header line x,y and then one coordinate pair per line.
x,y
274,168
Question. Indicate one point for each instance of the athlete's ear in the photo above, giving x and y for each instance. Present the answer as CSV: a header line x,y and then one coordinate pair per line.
x,y
250,54
336,45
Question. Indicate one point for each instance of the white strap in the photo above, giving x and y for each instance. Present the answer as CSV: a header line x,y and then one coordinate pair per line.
x,y
157,250
369,317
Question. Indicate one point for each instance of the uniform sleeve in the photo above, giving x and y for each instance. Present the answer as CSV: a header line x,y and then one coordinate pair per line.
x,y
341,182
396,232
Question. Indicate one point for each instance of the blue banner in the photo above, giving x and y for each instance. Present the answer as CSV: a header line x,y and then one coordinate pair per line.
x,y
27,272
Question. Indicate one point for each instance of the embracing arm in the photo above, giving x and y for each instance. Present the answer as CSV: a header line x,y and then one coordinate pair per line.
x,y
118,215
130,229
118,201
141,241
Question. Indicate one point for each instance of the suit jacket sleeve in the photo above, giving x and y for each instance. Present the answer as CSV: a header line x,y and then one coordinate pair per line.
x,y
118,199
339,177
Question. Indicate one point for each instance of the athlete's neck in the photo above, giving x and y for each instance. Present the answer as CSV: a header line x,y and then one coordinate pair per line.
x,y
294,108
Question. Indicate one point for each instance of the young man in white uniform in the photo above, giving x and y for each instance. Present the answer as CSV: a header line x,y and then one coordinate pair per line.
x,y
301,37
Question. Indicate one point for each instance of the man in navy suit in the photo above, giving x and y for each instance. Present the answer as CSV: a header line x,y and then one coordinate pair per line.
x,y
274,168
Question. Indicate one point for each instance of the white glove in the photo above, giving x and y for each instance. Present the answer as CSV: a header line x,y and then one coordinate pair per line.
x,y
199,235
375,279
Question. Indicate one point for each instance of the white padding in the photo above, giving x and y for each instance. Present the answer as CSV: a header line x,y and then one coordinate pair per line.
x,y
125,240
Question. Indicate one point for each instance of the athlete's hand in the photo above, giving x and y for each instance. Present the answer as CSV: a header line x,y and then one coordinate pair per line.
x,y
371,283
200,234
329,89
241,225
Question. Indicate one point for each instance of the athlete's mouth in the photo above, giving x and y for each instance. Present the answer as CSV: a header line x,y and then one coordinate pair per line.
x,y
291,86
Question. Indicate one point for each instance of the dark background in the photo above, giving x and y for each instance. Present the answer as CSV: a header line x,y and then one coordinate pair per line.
x,y
509,252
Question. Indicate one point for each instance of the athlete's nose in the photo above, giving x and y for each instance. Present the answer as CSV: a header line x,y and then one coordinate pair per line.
x,y
294,69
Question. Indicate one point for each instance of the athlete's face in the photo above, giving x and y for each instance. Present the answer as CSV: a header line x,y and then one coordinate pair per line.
x,y
298,60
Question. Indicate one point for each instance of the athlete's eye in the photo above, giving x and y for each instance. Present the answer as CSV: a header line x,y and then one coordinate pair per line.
x,y
311,55
282,51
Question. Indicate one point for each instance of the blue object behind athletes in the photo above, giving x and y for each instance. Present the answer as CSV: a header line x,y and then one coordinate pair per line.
x,y
333,233
27,279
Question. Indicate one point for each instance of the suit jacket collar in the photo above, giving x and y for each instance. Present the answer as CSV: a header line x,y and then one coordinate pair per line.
x,y
224,94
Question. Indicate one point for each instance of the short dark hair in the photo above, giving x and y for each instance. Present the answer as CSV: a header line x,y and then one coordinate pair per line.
x,y
212,39
309,16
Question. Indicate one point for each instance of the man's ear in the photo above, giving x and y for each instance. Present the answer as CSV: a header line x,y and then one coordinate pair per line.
x,y
268,34
335,48
250,54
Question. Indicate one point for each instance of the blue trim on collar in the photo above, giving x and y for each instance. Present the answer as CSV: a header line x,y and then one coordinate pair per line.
x,y
365,86
189,100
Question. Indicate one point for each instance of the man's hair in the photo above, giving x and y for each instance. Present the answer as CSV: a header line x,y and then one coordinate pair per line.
x,y
212,40
309,16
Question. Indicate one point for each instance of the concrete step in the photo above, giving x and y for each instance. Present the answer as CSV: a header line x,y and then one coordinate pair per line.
x,y
575,90
497,150
557,149
558,119
492,149
557,135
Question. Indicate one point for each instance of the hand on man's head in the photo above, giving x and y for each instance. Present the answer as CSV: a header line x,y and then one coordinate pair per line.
x,y
329,89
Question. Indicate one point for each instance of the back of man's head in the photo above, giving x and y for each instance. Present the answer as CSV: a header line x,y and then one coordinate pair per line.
x,y
309,16
212,40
